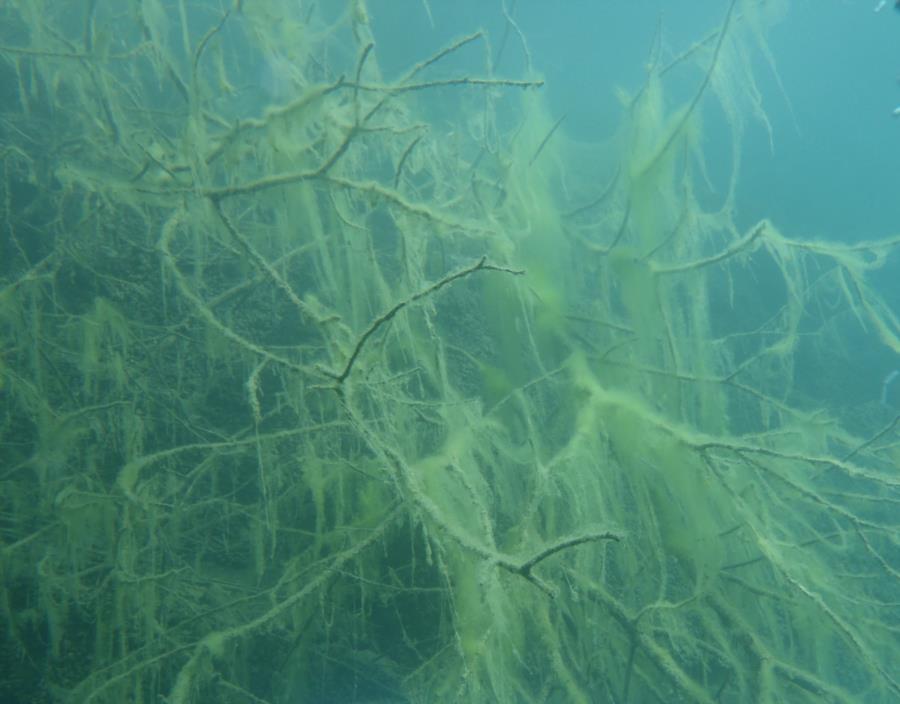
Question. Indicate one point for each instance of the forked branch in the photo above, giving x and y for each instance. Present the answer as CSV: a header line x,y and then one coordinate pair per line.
x,y
480,265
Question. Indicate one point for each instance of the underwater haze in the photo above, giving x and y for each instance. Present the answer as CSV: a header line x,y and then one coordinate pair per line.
x,y
415,351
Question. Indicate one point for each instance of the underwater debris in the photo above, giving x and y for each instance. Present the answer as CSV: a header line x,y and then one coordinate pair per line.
x,y
325,406
886,385
883,3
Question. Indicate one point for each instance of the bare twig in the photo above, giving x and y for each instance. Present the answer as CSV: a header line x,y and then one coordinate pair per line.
x,y
537,152
480,265
524,568
443,83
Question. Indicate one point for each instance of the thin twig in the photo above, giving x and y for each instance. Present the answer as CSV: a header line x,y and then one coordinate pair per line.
x,y
524,568
403,157
881,433
546,139
441,83
480,265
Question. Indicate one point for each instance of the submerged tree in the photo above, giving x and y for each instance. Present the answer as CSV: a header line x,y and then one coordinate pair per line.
x,y
305,401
